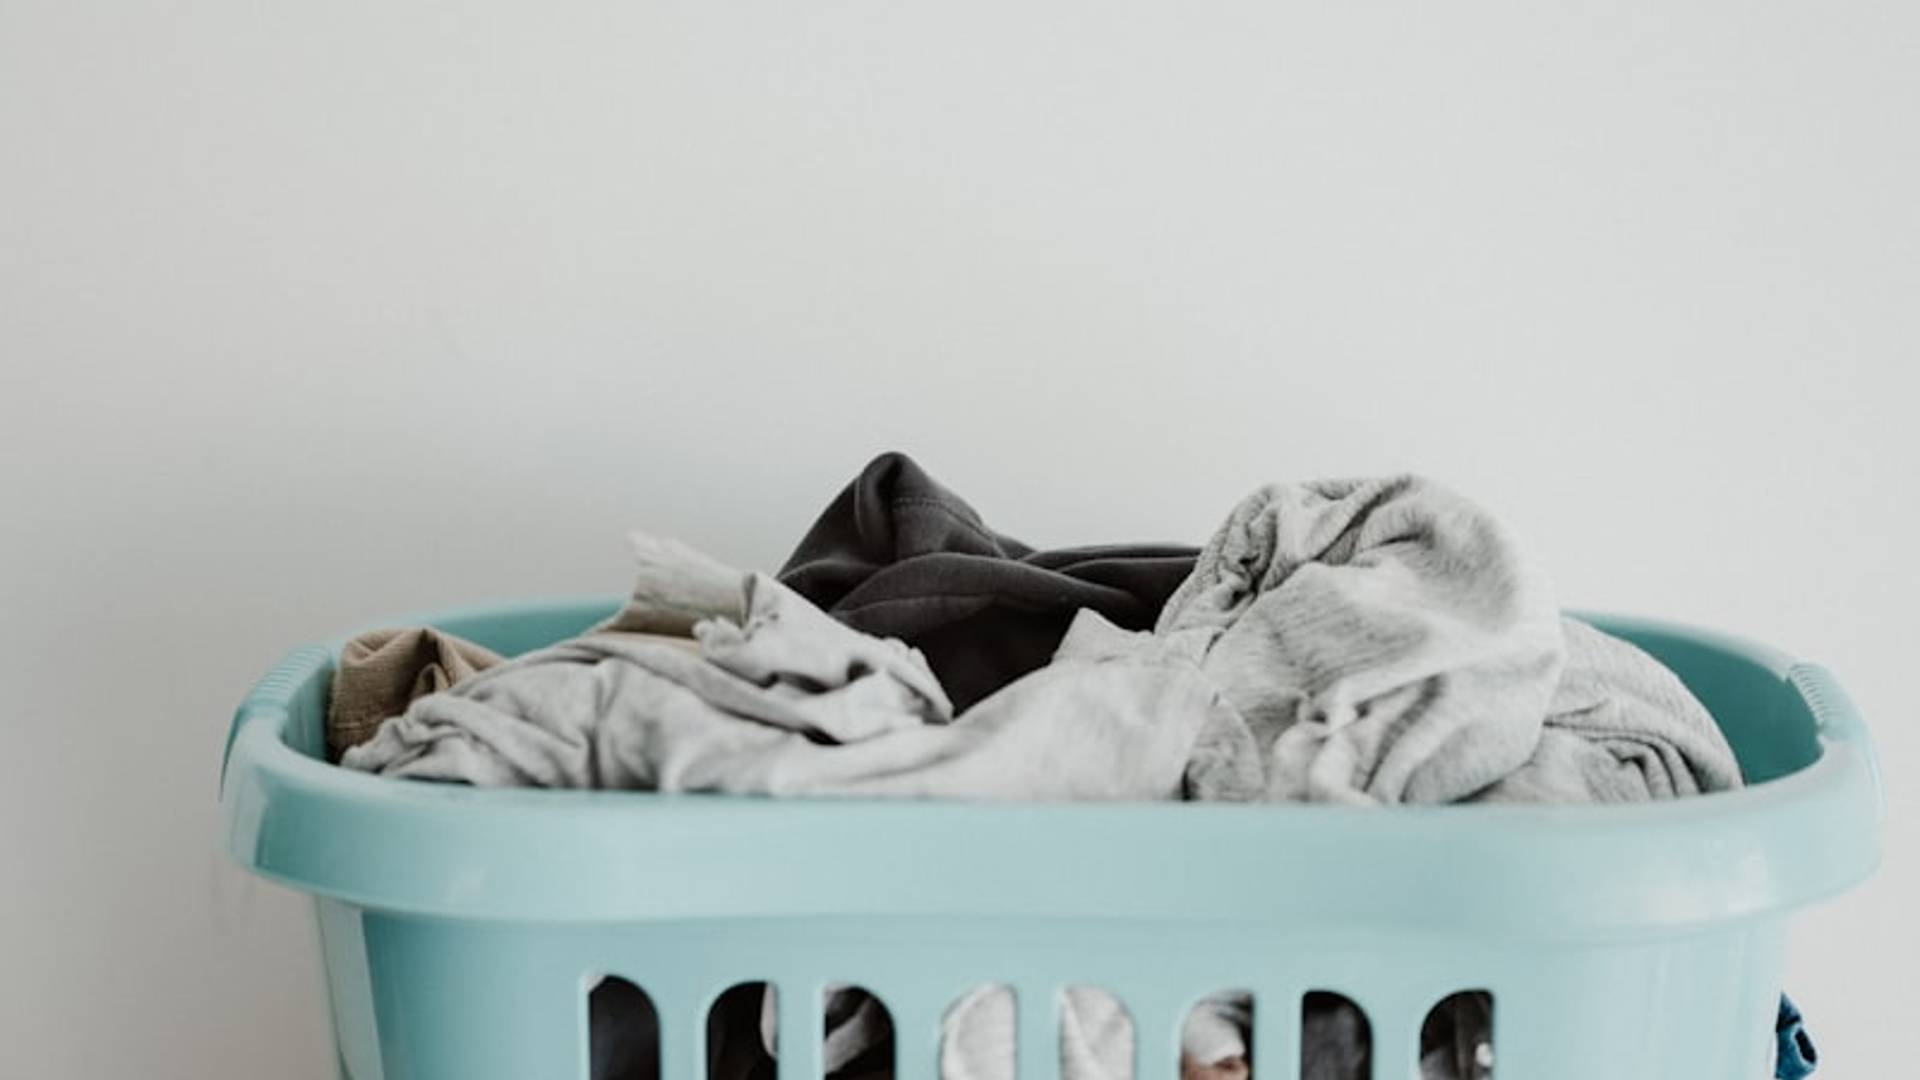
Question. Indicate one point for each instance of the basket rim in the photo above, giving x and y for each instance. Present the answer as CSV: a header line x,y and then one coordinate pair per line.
x,y
1533,871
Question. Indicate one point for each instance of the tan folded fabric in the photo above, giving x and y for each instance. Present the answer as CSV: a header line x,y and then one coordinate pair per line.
x,y
380,671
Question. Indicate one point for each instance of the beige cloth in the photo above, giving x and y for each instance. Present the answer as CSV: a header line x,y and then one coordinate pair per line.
x,y
380,671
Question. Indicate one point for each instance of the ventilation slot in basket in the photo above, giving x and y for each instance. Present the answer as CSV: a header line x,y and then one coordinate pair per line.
x,y
1216,1040
623,1032
1335,1037
1096,1034
857,1034
977,1033
742,1029
1456,1038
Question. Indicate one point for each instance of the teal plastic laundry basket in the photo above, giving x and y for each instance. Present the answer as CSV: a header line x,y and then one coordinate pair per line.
x,y
463,928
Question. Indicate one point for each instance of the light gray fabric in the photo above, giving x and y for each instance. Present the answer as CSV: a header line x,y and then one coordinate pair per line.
x,y
1215,1040
613,710
1384,641
792,702
1621,728
675,587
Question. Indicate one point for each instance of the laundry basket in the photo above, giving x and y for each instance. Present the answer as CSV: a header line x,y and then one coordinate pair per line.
x,y
463,928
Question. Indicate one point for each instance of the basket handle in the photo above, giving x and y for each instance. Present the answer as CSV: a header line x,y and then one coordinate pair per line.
x,y
1833,709
1839,721
272,697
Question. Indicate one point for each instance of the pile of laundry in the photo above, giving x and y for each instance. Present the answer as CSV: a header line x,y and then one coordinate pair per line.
x,y
1367,642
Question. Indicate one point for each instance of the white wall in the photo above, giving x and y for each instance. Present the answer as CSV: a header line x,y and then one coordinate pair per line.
x,y
311,312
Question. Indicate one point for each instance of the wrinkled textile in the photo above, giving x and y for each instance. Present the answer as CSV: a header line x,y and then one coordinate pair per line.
x,y
379,672
1621,728
1384,641
675,588
1794,1056
1456,1038
898,555
792,702
617,711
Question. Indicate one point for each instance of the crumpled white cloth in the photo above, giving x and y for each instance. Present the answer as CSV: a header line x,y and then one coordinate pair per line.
x,y
1382,640
1621,728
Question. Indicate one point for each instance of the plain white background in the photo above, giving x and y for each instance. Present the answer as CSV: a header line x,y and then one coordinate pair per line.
x,y
314,312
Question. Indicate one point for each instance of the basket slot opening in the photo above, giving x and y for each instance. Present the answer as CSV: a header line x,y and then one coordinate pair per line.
x,y
1216,1037
1456,1039
623,1032
743,1031
1336,1039
857,1036
977,1036
1096,1033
